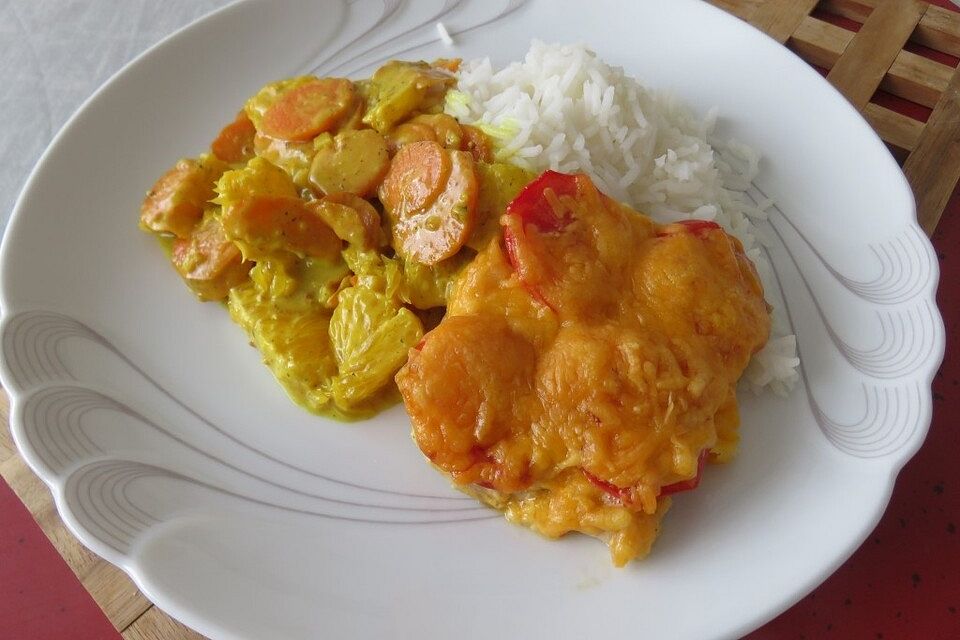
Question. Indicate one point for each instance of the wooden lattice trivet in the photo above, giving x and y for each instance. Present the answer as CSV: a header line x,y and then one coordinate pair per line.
x,y
873,58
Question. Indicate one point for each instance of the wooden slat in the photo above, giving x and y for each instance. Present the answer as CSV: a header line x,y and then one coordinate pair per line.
x,y
894,128
780,18
115,593
940,30
7,448
911,76
933,168
916,78
743,9
820,43
155,625
856,10
863,65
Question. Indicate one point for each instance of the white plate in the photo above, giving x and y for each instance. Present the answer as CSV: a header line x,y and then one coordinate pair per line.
x,y
172,453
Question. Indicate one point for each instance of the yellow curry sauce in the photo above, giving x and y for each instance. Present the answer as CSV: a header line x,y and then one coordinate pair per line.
x,y
331,216
586,366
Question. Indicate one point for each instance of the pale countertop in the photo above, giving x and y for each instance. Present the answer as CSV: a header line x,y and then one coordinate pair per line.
x,y
53,56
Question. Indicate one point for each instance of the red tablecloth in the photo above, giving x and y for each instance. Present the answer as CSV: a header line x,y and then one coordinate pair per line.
x,y
903,583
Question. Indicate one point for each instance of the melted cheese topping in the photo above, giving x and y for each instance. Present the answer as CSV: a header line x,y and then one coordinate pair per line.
x,y
584,369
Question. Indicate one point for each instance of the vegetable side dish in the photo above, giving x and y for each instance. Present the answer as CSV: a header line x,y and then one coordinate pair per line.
x,y
331,216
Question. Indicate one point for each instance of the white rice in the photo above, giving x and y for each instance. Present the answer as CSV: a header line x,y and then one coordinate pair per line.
x,y
563,108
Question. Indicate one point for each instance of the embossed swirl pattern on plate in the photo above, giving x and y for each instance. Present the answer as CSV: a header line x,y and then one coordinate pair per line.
x,y
57,419
893,402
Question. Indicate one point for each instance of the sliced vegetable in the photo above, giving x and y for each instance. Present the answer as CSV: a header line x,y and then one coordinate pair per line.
x,y
269,94
354,119
209,263
416,177
476,143
449,64
539,206
264,225
437,232
352,218
294,158
446,129
621,494
625,495
235,142
176,202
353,161
538,203
692,483
407,133
309,109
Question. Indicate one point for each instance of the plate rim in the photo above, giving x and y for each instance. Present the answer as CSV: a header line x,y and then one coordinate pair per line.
x,y
128,563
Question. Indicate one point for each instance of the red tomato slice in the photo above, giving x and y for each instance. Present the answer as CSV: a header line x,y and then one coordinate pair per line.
x,y
625,495
536,205
687,485
621,494
533,204
511,246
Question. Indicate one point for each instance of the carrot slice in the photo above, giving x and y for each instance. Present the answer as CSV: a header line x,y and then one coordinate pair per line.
x,y
309,109
446,129
208,262
416,177
477,143
352,218
408,133
439,231
264,225
176,202
235,142
447,64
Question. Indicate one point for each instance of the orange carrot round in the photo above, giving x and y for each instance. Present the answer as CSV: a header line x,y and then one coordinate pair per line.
x,y
416,177
309,109
235,142
435,233
366,222
408,133
476,142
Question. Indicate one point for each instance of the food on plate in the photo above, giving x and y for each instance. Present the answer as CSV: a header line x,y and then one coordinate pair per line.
x,y
470,239
586,367
331,217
